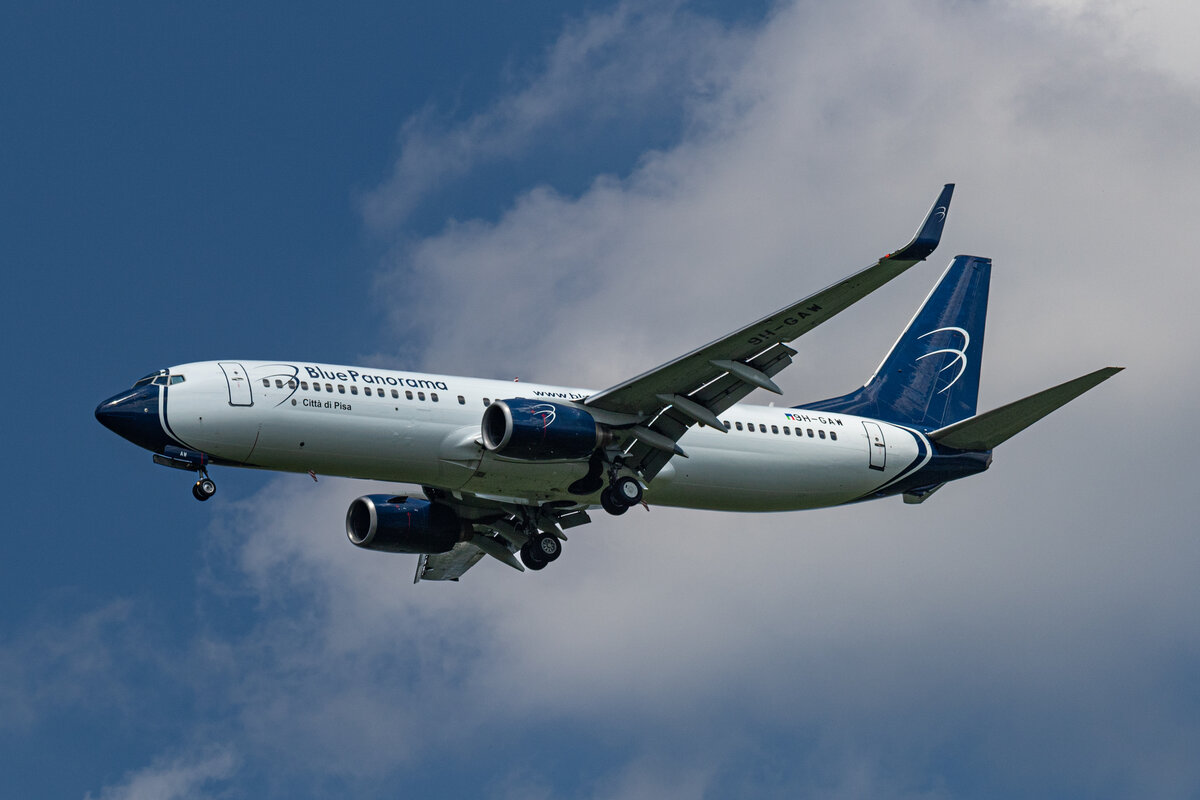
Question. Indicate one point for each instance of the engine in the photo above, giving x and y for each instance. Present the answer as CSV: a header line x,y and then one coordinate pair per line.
x,y
401,525
534,430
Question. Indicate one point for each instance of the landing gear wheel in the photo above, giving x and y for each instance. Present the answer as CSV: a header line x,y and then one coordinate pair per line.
x,y
612,504
627,490
204,489
531,558
545,546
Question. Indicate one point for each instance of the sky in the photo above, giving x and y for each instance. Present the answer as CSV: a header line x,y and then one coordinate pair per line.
x,y
574,193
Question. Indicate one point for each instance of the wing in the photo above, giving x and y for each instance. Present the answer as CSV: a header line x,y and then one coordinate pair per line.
x,y
697,387
447,566
499,528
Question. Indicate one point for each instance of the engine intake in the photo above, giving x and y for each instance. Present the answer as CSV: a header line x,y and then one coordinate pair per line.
x,y
401,525
535,430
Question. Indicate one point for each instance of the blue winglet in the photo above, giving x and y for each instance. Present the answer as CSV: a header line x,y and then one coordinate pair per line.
x,y
930,232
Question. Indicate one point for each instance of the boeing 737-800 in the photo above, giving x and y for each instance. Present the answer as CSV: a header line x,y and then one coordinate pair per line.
x,y
505,468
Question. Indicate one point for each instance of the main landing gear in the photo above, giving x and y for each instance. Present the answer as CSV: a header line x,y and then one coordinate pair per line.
x,y
540,550
621,494
204,488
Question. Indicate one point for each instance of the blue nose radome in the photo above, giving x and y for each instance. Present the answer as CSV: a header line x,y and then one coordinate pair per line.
x,y
133,415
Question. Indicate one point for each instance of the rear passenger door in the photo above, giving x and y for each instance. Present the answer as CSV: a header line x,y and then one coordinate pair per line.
x,y
876,445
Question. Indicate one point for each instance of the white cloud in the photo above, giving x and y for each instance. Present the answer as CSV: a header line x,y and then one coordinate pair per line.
x,y
822,151
633,62
51,666
185,778
1155,35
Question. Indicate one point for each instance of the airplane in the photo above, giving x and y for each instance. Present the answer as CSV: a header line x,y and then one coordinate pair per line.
x,y
505,468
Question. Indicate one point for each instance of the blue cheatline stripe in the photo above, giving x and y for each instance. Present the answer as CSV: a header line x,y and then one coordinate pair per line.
x,y
162,418
923,457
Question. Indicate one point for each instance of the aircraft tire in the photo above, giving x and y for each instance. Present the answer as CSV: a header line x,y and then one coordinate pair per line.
x,y
546,547
204,489
530,557
612,504
628,491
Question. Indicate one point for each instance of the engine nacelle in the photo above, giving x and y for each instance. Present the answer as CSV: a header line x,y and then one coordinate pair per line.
x,y
401,525
535,430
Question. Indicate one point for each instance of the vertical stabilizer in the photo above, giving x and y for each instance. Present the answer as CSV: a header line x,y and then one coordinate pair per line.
x,y
930,378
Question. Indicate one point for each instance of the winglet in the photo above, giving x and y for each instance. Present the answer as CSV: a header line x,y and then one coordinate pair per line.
x,y
930,233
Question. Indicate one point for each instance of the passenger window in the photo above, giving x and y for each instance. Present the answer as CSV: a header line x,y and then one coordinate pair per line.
x,y
304,385
833,435
278,383
727,425
353,389
810,433
367,391
821,434
408,395
291,383
329,387
420,395
774,429
341,388
486,402
395,394
738,425
462,401
787,431
267,383
762,427
433,396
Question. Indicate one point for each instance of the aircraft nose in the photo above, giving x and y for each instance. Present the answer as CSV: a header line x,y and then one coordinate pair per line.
x,y
133,415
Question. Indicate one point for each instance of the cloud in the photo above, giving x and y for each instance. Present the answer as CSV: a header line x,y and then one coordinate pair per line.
x,y
636,62
52,666
1029,631
184,778
1152,34
821,152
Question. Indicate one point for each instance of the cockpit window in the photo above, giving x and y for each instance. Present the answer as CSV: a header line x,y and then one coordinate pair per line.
x,y
177,379
146,380
160,380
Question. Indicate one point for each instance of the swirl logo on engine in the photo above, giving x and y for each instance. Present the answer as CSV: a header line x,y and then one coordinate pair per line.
x,y
546,411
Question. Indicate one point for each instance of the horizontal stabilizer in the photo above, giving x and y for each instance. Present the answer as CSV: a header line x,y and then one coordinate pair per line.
x,y
985,431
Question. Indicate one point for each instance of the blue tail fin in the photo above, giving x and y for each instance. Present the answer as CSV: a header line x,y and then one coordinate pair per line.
x,y
930,378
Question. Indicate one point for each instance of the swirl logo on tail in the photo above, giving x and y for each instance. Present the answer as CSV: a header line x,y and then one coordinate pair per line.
x,y
960,355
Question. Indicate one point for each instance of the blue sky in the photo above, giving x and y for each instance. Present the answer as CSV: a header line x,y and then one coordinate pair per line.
x,y
574,193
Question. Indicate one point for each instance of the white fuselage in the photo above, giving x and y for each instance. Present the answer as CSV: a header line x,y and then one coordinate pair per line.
x,y
425,429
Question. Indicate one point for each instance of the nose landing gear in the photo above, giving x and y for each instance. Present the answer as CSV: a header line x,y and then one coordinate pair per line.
x,y
204,488
190,461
